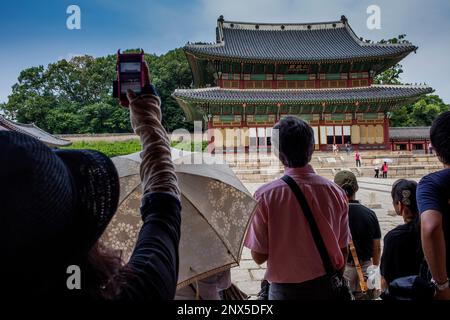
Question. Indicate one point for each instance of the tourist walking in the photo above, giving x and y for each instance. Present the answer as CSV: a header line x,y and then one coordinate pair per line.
x,y
384,169
433,197
57,204
366,235
402,253
335,149
358,159
280,232
377,172
347,149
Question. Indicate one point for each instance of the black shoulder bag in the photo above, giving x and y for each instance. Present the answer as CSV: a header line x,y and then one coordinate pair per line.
x,y
339,284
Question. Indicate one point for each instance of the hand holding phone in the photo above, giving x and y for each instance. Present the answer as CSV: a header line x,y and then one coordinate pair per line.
x,y
132,75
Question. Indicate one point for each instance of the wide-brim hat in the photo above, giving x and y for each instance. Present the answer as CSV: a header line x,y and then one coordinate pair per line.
x,y
52,203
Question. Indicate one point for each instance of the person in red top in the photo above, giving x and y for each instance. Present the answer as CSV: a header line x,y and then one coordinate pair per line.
x,y
358,159
384,169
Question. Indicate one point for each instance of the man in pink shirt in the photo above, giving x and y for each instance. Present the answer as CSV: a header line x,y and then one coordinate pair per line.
x,y
279,232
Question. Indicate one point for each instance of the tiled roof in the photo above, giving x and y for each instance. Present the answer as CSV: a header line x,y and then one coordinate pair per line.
x,y
325,42
33,131
405,133
374,93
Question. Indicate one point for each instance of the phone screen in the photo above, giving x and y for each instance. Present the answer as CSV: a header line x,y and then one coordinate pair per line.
x,y
130,67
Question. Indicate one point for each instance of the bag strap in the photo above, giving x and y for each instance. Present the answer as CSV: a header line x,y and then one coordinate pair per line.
x,y
362,281
329,268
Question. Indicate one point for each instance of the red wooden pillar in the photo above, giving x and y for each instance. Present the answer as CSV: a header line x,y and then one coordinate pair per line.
x,y
274,77
386,132
210,137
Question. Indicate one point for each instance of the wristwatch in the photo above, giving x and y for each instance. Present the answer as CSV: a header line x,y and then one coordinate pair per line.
x,y
441,286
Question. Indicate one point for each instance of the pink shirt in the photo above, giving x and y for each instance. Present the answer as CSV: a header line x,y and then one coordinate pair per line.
x,y
280,229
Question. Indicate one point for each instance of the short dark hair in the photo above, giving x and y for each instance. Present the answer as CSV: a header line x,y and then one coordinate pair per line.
x,y
295,142
440,137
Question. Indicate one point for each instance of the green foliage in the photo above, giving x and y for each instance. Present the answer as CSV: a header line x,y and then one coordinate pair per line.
x,y
111,149
74,96
421,113
186,146
119,148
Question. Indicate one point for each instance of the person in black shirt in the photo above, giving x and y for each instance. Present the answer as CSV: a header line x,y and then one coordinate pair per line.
x,y
433,196
365,230
55,205
402,254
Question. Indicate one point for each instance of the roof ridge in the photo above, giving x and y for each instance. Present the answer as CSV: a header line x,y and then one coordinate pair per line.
x,y
279,26
19,127
377,44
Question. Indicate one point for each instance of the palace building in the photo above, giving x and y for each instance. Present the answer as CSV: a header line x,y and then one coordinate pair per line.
x,y
33,131
257,73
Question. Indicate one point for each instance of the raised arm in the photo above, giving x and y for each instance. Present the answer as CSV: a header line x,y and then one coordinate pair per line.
x,y
152,271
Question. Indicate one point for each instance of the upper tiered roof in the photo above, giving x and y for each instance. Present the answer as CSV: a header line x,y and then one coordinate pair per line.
x,y
33,131
329,42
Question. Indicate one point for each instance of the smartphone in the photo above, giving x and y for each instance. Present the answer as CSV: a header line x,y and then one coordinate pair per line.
x,y
130,75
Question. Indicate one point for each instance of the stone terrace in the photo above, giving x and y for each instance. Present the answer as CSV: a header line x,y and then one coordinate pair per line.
x,y
265,167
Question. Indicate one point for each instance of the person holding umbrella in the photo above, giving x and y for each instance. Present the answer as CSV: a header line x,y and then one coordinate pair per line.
x,y
57,204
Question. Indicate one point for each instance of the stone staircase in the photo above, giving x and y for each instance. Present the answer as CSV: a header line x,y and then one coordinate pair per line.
x,y
260,168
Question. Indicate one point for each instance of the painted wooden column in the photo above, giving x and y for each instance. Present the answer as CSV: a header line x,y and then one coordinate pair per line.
x,y
211,146
274,75
386,132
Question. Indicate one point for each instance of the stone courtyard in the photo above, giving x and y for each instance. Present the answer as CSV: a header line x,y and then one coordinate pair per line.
x,y
374,193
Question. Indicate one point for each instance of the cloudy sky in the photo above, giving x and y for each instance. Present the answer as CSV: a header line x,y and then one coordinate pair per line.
x,y
35,33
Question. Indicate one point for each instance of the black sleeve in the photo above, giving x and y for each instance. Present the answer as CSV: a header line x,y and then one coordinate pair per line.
x,y
152,272
376,230
388,268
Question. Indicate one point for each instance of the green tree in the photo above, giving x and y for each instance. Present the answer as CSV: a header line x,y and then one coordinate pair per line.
x,y
421,113
74,96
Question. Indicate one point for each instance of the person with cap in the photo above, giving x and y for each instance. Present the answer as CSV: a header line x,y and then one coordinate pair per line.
x,y
55,205
365,231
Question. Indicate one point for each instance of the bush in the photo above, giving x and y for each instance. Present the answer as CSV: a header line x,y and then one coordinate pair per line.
x,y
185,145
111,149
120,148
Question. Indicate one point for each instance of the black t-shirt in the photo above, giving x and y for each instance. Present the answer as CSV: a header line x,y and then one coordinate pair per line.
x,y
402,253
433,193
364,228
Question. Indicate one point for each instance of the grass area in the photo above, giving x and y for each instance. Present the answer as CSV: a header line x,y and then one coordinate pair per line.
x,y
111,149
119,148
185,145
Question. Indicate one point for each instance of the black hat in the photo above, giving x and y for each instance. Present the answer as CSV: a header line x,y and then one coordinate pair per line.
x,y
52,203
